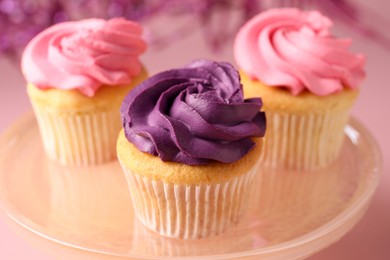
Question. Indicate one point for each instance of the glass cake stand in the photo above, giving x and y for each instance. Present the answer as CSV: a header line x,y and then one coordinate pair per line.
x,y
291,214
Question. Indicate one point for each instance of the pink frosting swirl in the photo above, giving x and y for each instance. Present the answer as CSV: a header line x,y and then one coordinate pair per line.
x,y
84,55
295,49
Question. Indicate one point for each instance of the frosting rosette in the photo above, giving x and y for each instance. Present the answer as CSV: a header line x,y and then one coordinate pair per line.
x,y
84,55
295,49
193,115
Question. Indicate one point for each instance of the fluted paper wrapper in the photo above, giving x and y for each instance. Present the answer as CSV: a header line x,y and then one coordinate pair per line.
x,y
189,211
73,139
303,142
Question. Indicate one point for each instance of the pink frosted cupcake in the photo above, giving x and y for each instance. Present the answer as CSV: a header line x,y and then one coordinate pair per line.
x,y
308,80
78,74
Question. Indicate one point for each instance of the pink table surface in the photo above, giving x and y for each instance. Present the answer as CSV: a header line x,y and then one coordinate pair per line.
x,y
368,240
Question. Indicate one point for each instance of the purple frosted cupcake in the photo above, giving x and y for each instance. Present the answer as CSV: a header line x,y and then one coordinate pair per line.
x,y
189,149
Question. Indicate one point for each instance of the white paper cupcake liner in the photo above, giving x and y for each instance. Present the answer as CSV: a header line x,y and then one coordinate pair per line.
x,y
72,139
189,211
303,142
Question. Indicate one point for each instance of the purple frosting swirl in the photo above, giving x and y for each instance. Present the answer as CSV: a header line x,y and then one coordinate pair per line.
x,y
193,115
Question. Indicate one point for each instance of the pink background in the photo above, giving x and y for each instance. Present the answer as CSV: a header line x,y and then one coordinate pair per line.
x,y
368,240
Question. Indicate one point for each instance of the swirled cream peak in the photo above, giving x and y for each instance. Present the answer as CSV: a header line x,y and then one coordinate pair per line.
x,y
193,115
296,50
84,55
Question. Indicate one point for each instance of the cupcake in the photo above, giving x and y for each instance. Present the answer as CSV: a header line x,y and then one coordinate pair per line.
x,y
189,149
78,74
308,80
